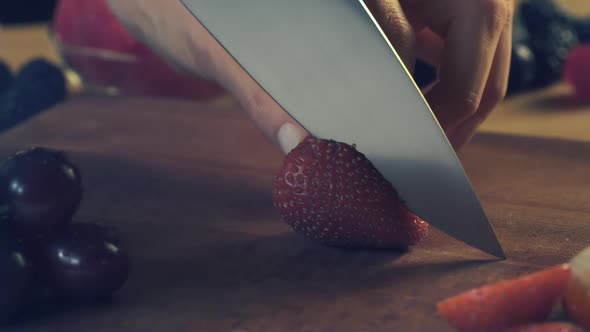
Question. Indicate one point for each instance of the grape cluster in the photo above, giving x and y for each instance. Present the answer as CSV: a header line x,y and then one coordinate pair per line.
x,y
37,86
40,191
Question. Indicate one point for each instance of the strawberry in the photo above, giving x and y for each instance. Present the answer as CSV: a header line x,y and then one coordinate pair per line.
x,y
330,192
131,66
547,327
507,304
577,71
91,23
577,295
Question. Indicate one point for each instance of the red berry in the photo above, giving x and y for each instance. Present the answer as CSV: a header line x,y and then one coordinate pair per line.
x,y
577,295
88,30
90,23
330,192
577,71
507,304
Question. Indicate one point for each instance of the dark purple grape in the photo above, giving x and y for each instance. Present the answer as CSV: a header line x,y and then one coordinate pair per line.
x,y
86,260
16,274
42,189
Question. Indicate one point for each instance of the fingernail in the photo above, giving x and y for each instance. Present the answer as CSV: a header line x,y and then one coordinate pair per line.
x,y
289,137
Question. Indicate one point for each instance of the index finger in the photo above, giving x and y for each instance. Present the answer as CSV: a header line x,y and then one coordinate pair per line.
x,y
470,43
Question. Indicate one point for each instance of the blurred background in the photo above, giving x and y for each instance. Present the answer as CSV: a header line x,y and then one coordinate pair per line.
x,y
26,11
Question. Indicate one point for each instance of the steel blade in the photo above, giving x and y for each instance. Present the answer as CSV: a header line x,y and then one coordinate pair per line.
x,y
330,66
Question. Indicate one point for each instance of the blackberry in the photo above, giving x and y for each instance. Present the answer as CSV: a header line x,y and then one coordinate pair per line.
x,y
522,69
551,46
582,26
520,33
536,14
38,86
5,76
522,64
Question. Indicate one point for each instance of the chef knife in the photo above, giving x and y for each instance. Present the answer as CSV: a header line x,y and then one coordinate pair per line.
x,y
329,65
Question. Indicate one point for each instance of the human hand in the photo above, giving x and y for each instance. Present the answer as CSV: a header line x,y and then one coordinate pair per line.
x,y
468,40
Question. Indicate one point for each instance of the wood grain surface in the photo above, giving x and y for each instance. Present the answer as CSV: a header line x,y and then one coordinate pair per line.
x,y
189,186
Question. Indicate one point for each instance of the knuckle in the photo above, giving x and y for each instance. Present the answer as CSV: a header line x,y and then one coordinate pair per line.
x,y
498,93
468,104
494,95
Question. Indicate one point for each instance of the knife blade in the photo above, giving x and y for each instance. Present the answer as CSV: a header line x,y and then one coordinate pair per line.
x,y
330,66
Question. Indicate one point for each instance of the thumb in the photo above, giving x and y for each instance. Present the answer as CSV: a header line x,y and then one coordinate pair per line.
x,y
185,43
268,116
280,128
275,122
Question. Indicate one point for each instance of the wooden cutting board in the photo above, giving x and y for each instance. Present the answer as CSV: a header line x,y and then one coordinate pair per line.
x,y
189,186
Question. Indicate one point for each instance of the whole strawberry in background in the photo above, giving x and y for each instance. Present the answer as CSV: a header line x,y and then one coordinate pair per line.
x,y
331,193
101,50
509,304
577,71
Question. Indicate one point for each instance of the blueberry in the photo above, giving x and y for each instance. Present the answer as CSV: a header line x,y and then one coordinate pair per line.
x,y
38,86
9,104
16,271
5,77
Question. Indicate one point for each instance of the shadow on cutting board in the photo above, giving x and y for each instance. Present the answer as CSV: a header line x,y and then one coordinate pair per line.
x,y
199,261
557,102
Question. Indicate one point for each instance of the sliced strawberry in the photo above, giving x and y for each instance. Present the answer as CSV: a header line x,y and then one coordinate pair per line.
x,y
509,303
547,327
330,192
577,295
577,302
